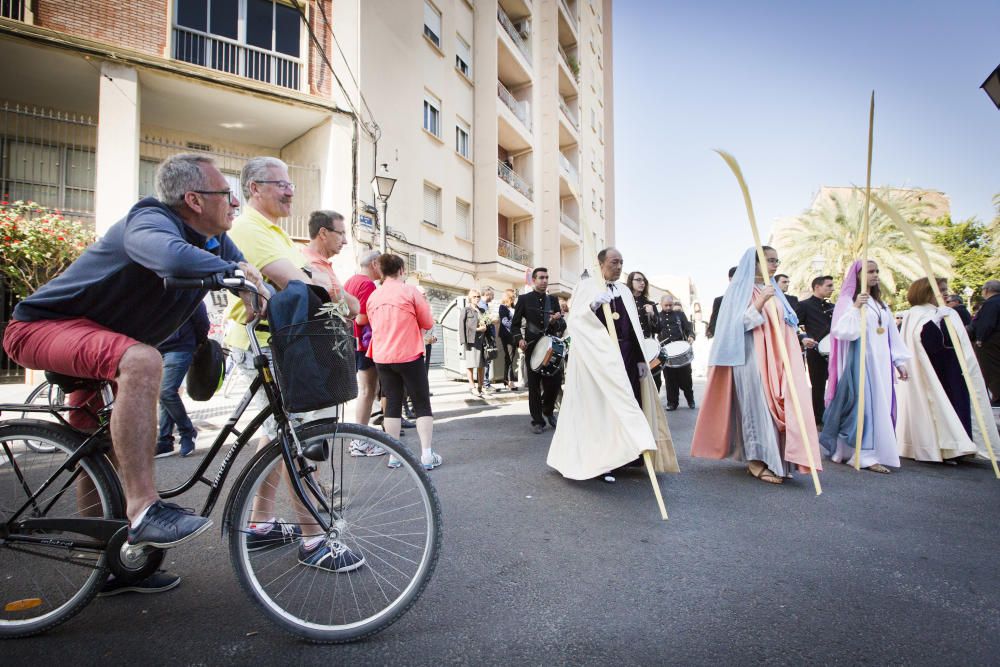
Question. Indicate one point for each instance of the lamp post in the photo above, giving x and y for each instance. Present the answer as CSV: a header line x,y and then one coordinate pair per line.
x,y
382,187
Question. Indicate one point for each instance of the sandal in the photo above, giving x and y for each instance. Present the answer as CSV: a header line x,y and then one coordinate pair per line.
x,y
879,468
765,475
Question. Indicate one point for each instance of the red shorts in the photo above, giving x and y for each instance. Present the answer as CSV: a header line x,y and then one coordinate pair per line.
x,y
77,347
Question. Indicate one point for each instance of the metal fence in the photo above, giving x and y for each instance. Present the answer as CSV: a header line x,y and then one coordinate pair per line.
x,y
48,157
519,108
512,31
514,179
513,251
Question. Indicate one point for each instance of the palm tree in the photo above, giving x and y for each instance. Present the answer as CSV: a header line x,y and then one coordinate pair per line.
x,y
828,236
994,232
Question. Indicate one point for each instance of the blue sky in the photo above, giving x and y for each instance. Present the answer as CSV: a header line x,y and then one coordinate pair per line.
x,y
784,87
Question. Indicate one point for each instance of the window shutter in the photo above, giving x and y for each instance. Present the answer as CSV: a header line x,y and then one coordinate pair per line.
x,y
462,212
432,205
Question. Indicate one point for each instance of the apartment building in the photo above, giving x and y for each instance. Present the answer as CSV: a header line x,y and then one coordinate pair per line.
x,y
495,118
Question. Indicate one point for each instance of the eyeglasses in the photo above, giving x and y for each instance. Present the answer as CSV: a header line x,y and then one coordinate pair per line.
x,y
229,195
638,280
282,185
773,260
342,232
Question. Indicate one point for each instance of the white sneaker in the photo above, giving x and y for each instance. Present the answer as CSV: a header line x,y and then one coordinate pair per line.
x,y
430,460
359,448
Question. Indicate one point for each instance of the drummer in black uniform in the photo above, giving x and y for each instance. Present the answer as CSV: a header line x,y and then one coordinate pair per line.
x,y
815,315
537,314
675,327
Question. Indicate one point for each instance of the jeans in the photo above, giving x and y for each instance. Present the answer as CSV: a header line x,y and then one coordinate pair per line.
x,y
172,412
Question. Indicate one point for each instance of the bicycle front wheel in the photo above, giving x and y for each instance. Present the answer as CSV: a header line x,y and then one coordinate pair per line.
x,y
44,578
383,544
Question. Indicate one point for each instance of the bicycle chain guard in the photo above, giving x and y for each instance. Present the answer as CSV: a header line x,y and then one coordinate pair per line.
x,y
130,564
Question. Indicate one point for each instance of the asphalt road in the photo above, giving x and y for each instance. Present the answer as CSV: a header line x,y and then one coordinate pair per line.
x,y
535,569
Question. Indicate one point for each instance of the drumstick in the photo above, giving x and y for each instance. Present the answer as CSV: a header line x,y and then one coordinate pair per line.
x,y
646,456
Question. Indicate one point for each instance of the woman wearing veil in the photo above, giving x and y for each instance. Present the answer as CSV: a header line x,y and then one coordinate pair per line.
x,y
884,351
744,414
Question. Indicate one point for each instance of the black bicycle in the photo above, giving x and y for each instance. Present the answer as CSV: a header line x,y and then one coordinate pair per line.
x,y
63,528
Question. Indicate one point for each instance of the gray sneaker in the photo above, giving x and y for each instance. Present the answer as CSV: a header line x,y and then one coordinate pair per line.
x,y
167,525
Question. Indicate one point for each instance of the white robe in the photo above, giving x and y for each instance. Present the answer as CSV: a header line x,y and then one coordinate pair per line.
x,y
928,428
601,426
884,352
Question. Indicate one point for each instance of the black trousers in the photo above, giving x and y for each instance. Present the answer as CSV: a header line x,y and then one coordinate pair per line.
x,y
816,363
509,351
678,379
989,362
542,392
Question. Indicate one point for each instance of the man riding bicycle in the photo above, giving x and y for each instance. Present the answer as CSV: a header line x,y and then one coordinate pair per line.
x,y
102,318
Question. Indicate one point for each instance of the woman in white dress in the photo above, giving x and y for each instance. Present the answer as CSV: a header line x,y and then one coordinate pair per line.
x,y
885,356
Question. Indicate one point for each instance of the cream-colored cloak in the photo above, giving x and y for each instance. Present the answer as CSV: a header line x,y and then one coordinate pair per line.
x,y
928,428
601,427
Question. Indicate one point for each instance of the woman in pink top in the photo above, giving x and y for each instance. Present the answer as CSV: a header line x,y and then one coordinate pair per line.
x,y
398,314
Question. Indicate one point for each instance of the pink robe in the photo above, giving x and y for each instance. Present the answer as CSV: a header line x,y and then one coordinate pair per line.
x,y
712,434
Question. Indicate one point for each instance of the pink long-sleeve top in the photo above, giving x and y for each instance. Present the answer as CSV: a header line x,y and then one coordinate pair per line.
x,y
398,314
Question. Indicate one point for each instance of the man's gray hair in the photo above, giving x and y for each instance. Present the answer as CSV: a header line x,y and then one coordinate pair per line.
x,y
486,289
992,286
369,257
257,169
180,174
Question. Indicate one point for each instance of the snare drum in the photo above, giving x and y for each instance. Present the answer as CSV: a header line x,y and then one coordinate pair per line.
x,y
679,353
651,353
824,346
548,355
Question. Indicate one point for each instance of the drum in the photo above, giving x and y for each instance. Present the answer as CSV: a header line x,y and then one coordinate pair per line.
x,y
651,353
548,355
824,346
679,353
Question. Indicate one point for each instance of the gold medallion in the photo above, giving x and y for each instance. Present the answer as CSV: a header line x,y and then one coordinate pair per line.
x,y
880,330
615,316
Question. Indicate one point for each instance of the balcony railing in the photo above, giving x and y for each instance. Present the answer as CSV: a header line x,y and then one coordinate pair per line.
x,y
519,108
570,222
572,64
569,15
515,37
227,55
514,179
513,252
13,9
570,170
574,121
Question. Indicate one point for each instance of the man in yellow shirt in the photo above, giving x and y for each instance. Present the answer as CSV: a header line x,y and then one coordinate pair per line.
x,y
268,195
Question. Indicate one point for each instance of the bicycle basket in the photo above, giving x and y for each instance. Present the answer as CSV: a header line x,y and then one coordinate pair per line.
x,y
314,363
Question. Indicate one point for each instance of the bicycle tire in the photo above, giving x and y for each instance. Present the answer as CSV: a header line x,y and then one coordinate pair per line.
x,y
33,578
50,395
294,596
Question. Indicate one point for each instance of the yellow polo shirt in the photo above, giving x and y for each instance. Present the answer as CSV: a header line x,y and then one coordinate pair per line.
x,y
261,243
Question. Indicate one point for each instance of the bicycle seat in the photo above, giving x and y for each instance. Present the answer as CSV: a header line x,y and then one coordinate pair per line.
x,y
69,384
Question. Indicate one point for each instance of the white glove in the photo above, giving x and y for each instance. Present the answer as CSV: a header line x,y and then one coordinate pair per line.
x,y
643,370
601,299
941,313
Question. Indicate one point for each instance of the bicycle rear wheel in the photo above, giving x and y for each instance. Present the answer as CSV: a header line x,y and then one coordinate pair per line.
x,y
390,517
44,394
44,580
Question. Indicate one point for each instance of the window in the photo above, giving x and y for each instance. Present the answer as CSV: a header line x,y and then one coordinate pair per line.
x,y
463,220
462,130
432,24
463,57
593,199
432,114
56,176
432,205
593,118
214,33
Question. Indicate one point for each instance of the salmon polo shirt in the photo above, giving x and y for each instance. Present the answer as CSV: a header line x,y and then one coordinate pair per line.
x,y
398,313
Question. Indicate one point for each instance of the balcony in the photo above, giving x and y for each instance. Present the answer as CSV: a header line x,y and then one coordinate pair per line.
x,y
514,179
14,9
569,170
513,252
572,64
517,107
569,222
570,114
514,35
572,25
228,55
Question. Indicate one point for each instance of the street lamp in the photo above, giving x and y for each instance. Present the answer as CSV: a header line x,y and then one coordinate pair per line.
x,y
992,86
382,187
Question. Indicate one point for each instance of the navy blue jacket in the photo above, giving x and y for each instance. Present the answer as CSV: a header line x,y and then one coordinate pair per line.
x,y
118,281
191,334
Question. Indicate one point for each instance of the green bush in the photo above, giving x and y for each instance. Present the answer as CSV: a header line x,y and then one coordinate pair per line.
x,y
37,244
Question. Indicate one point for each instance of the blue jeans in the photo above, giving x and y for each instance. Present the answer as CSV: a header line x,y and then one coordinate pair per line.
x,y
175,367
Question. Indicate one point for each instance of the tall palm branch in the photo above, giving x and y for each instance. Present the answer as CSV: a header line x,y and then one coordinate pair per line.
x,y
831,232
